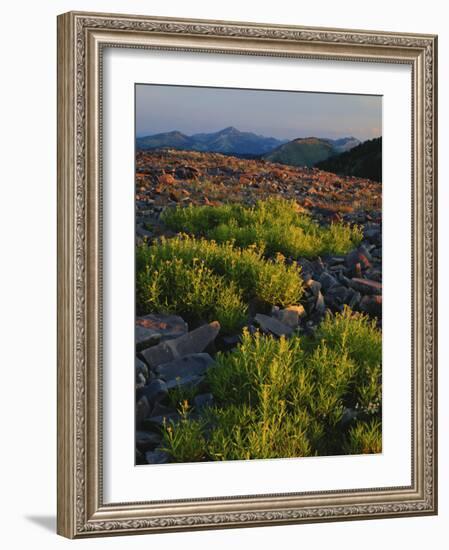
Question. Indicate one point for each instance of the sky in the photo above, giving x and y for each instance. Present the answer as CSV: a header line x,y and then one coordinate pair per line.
x,y
279,114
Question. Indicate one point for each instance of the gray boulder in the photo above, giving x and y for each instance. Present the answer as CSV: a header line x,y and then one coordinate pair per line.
x,y
142,409
190,380
141,370
152,328
145,441
155,391
366,286
193,342
270,324
146,337
193,364
290,315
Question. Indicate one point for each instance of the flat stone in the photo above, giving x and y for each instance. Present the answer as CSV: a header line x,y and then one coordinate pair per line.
x,y
290,315
327,281
318,267
320,306
354,300
141,369
336,269
157,457
203,400
366,286
193,364
191,381
336,260
142,409
374,275
343,279
352,258
166,326
192,342
140,381
142,232
306,268
373,234
145,441
146,338
155,391
169,326
337,294
272,325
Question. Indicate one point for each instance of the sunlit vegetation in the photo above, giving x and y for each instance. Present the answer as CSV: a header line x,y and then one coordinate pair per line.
x,y
287,397
274,226
203,279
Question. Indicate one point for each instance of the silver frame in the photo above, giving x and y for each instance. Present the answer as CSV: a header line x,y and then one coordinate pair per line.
x,y
81,39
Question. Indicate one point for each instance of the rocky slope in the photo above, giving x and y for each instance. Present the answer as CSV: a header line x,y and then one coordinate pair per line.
x,y
170,355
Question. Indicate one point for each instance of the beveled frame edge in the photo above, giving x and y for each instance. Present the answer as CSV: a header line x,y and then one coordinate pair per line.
x,y
80,38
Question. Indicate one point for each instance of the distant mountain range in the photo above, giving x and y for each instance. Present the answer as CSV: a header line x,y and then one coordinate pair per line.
x,y
363,161
346,156
227,141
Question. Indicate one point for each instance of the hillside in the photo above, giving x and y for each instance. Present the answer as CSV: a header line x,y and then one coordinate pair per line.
x,y
364,161
302,152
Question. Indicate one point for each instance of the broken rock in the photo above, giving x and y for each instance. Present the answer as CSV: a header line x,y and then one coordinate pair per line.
x,y
193,364
270,324
290,315
366,286
195,341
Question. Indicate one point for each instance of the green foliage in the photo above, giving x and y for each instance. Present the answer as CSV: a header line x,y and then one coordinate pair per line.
x,y
364,438
287,397
357,335
274,226
191,290
184,441
206,280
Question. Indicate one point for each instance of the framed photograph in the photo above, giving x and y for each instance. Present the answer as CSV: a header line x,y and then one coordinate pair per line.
x,y
246,274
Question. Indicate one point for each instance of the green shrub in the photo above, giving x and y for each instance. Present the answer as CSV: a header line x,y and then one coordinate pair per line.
x,y
364,438
184,441
242,433
191,290
274,225
357,335
206,280
286,397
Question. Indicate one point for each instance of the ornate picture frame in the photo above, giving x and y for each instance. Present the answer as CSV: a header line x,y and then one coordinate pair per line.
x,y
82,39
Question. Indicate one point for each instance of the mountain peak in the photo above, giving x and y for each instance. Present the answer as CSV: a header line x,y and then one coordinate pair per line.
x,y
229,130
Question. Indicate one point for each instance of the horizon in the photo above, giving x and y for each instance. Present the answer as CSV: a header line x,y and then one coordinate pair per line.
x,y
176,130
284,115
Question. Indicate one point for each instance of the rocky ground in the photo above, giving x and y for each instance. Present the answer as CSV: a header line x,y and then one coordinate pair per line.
x,y
168,354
